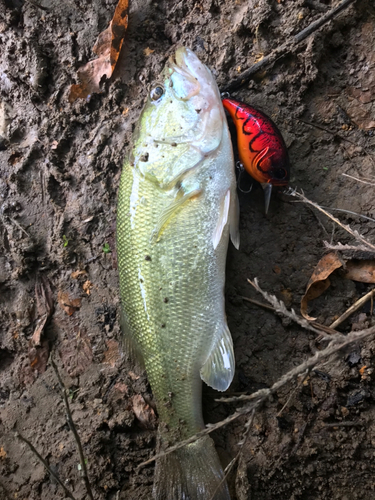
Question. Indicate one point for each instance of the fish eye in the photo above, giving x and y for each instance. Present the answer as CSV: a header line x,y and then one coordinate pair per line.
x,y
156,93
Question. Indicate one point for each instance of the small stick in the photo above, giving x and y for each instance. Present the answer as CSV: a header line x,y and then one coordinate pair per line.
x,y
75,433
285,47
347,228
353,308
41,459
291,395
359,180
319,326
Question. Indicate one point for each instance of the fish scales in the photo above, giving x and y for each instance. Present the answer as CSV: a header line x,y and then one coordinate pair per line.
x,y
177,205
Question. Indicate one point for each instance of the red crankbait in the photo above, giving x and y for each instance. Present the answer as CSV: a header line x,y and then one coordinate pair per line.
x,y
261,147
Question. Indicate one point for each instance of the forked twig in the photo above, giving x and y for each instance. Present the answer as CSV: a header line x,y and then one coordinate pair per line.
x,y
75,433
41,459
355,234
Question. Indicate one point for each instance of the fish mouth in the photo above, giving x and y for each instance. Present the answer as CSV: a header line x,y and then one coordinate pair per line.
x,y
186,73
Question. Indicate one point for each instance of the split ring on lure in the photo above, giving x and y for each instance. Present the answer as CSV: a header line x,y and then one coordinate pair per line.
x,y
261,147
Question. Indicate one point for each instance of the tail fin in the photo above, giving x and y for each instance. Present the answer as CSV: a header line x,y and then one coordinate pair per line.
x,y
191,473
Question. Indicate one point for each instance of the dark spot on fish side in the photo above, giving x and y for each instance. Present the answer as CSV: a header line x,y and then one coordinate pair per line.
x,y
171,102
198,111
163,325
140,280
178,185
166,300
210,177
144,157
147,257
173,144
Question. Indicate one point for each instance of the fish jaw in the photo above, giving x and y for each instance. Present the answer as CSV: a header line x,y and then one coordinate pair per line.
x,y
182,128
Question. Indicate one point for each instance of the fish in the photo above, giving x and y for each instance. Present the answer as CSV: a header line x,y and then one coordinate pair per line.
x,y
177,208
261,147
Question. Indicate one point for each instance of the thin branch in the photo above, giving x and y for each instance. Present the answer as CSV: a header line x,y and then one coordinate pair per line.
x,y
41,459
286,47
75,433
359,180
355,234
337,342
353,308
315,324
349,248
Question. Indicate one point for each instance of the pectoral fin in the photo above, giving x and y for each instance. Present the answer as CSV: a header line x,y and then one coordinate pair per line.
x,y
234,220
218,370
223,219
169,212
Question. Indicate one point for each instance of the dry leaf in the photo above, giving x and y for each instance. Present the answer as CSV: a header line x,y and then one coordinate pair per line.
x,y
69,305
44,304
76,274
148,51
319,281
143,411
112,353
76,354
87,287
3,453
107,48
360,270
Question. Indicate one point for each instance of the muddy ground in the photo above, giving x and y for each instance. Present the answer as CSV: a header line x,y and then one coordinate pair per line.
x,y
60,166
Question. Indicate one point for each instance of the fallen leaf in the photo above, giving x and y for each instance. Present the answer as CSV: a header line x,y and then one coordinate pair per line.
x,y
3,453
319,281
87,287
360,270
112,353
362,370
148,51
143,411
107,48
69,305
76,354
76,274
44,304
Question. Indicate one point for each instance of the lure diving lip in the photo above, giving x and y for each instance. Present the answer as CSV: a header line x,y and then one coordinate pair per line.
x,y
261,147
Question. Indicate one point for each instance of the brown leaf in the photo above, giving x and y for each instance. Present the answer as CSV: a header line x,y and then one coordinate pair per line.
x,y
44,304
361,270
144,413
112,353
147,51
3,453
76,354
319,281
69,305
87,286
107,47
76,274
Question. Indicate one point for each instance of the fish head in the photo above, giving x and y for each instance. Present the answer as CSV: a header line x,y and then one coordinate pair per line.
x,y
182,121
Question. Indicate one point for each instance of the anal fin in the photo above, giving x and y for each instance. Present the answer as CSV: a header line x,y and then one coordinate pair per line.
x,y
218,370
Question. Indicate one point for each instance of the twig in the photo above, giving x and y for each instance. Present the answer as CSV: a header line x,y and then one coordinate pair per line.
x,y
41,459
291,395
353,308
349,248
355,234
359,180
350,212
337,342
286,47
75,433
280,307
319,326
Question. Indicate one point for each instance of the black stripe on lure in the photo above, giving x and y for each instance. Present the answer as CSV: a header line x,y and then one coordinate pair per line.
x,y
261,146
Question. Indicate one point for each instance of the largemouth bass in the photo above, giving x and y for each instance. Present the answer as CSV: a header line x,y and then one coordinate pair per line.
x,y
177,206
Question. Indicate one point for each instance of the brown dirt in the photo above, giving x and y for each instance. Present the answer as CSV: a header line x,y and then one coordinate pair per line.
x,y
60,166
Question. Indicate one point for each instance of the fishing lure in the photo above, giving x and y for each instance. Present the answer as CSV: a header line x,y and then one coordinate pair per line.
x,y
261,147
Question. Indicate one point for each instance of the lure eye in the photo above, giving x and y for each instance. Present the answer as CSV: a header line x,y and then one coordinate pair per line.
x,y
156,93
279,173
